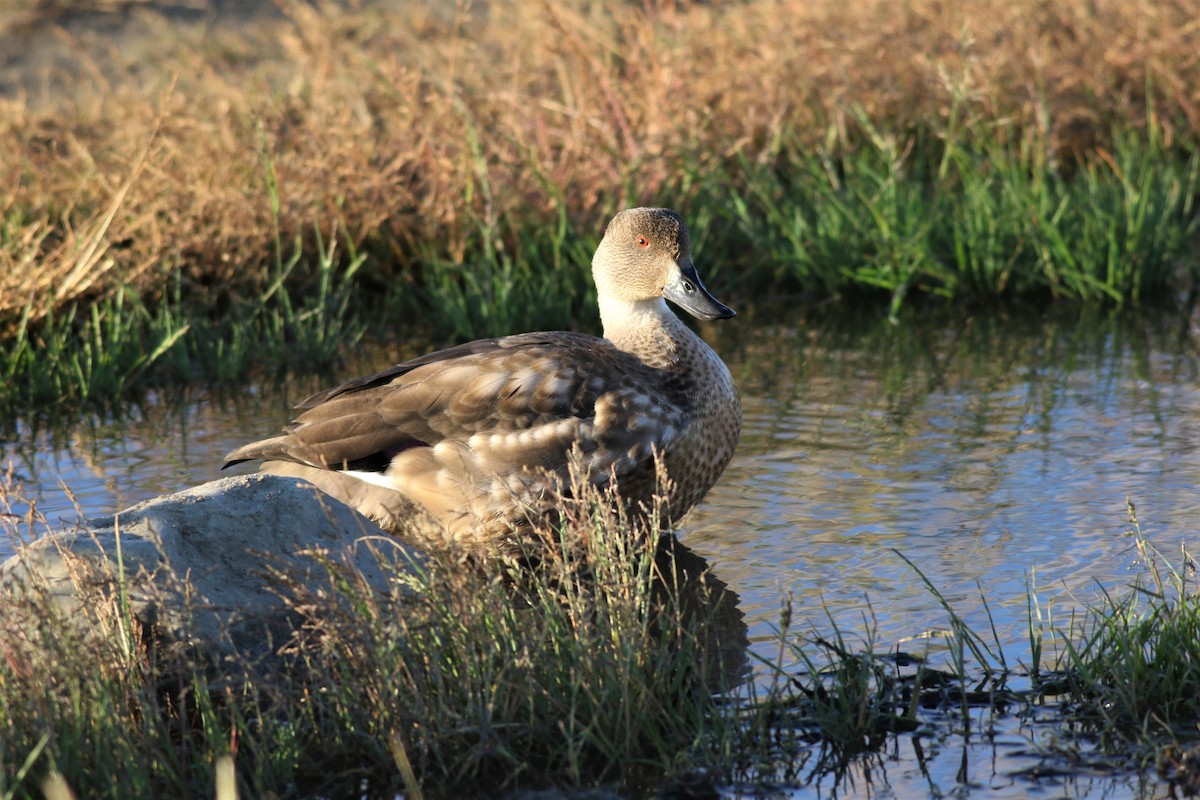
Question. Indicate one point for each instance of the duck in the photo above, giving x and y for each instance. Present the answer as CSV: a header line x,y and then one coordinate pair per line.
x,y
472,445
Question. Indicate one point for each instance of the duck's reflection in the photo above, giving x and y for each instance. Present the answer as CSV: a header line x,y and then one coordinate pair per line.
x,y
692,615
689,595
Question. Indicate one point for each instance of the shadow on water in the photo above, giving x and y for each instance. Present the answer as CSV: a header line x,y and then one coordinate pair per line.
x,y
995,450
700,594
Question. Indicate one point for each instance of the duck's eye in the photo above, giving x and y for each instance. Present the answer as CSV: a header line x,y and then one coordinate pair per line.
x,y
643,241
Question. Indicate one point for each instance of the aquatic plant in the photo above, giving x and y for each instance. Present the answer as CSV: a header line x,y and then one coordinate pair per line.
x,y
1131,662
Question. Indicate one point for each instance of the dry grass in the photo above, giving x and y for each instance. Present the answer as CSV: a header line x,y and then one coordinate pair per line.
x,y
412,126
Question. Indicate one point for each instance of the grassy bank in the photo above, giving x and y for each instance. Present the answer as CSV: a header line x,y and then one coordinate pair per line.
x,y
598,666
954,223
465,158
615,663
434,131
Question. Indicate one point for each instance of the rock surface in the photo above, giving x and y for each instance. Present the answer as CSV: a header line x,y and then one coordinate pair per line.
x,y
214,566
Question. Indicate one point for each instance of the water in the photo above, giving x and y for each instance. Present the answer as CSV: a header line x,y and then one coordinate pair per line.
x,y
986,452
989,450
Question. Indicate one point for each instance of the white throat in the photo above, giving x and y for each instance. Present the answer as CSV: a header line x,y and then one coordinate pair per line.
x,y
647,329
621,316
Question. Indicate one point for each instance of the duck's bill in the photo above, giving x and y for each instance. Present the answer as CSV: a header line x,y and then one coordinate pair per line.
x,y
688,292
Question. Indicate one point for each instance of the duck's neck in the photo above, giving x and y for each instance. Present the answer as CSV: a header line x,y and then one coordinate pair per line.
x,y
646,328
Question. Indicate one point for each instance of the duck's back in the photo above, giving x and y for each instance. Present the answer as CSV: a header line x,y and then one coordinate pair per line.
x,y
476,435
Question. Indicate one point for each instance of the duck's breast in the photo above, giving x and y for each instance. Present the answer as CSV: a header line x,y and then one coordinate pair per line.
x,y
709,437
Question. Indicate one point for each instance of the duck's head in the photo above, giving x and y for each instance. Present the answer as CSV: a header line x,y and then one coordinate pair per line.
x,y
644,256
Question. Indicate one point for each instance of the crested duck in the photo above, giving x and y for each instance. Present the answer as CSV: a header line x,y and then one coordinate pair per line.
x,y
466,446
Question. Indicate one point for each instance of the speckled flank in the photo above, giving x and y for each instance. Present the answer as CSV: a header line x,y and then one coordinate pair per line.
x,y
466,445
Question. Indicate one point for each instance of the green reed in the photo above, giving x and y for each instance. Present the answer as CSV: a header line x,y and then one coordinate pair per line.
x,y
972,219
1131,662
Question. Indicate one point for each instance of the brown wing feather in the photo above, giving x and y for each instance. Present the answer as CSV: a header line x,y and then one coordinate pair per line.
x,y
515,402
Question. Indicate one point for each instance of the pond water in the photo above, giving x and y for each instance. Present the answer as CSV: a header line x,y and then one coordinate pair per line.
x,y
989,450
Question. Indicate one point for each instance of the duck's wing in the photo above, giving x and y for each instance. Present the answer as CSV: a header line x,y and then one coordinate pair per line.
x,y
487,412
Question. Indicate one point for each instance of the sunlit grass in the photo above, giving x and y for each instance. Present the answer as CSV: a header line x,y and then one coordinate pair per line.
x,y
612,658
101,354
465,159
974,227
1132,661
427,130
598,663
981,220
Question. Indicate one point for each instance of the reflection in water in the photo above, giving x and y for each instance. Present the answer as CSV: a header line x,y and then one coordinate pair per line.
x,y
987,450
982,452
702,596
158,446
999,763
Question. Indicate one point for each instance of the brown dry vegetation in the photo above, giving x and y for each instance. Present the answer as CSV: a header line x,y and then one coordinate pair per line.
x,y
408,123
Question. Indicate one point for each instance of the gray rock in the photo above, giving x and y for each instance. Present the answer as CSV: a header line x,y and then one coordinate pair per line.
x,y
219,567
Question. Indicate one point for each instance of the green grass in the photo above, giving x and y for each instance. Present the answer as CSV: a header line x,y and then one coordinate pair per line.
x,y
613,659
973,221
104,354
516,280
597,666
1132,661
952,216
